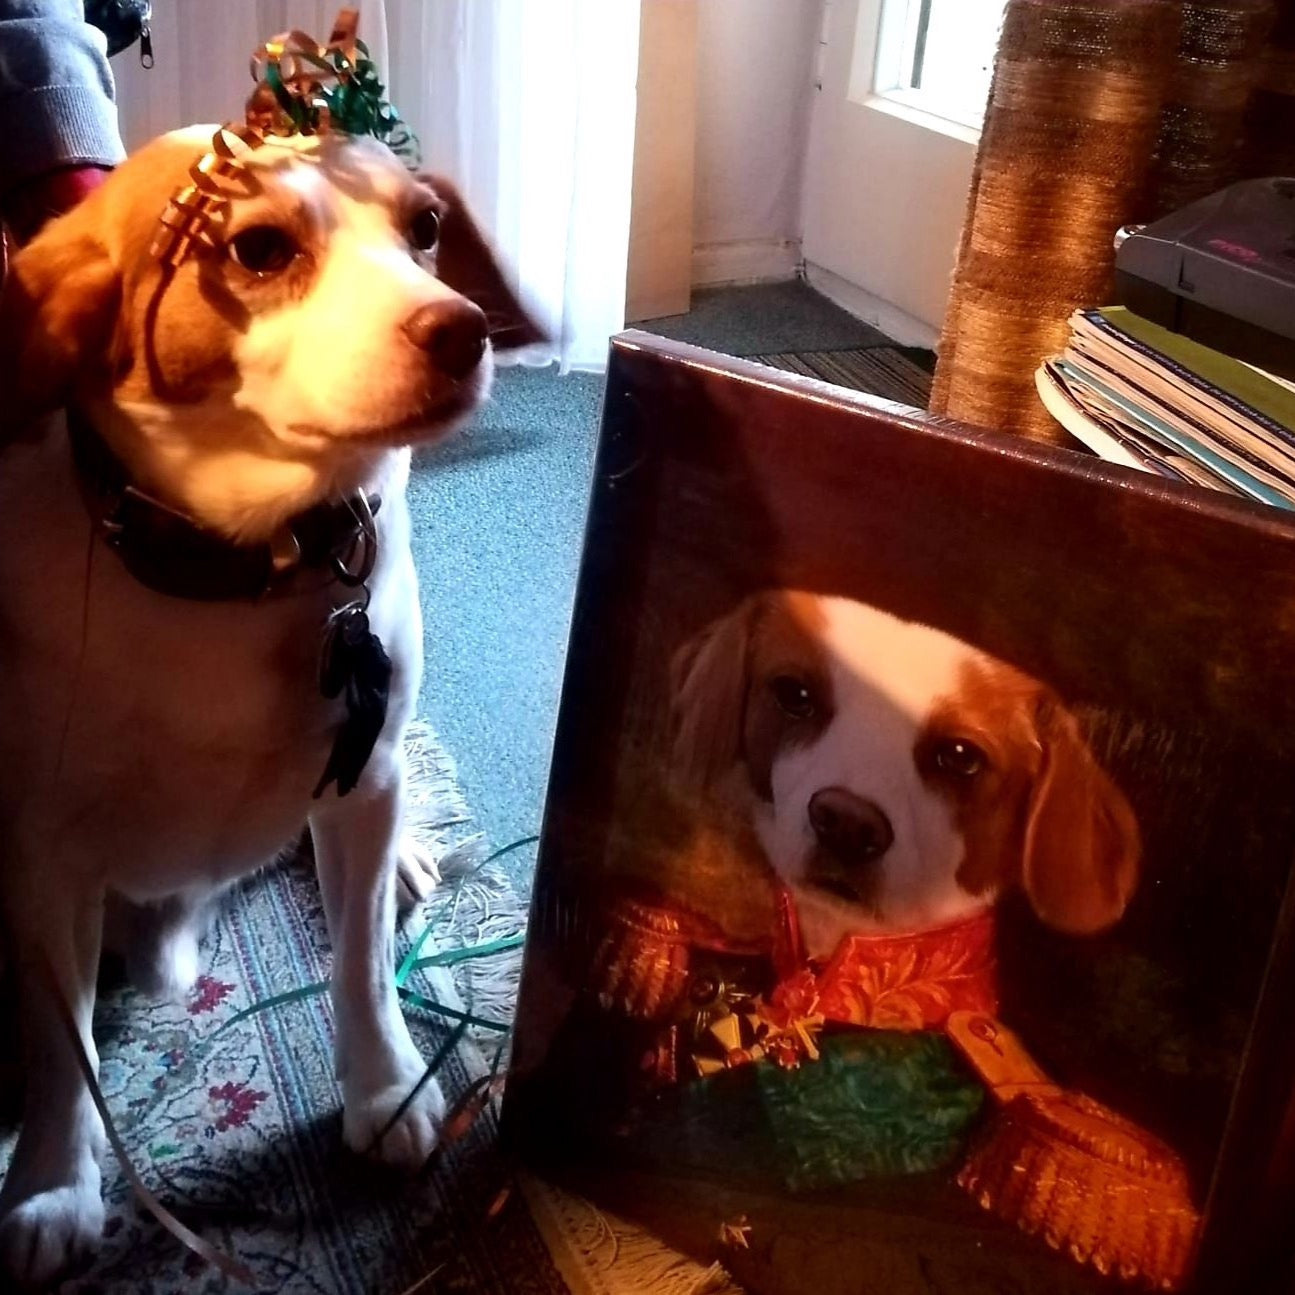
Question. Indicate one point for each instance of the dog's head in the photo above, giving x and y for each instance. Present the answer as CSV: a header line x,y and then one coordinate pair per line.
x,y
347,307
898,777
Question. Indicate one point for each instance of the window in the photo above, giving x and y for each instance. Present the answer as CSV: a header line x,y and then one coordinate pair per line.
x,y
938,56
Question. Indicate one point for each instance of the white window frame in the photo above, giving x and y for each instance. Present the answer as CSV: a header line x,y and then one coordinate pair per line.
x,y
882,42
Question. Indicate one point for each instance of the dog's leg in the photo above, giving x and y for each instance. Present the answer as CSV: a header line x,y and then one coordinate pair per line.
x,y
417,873
159,941
356,844
51,1214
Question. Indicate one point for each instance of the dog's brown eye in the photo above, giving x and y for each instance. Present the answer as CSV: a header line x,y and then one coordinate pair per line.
x,y
424,230
263,249
793,696
959,757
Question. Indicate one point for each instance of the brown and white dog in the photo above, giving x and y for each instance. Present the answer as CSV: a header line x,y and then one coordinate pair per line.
x,y
898,778
155,748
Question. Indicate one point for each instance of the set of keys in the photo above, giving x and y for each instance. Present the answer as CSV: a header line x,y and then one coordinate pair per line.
x,y
353,664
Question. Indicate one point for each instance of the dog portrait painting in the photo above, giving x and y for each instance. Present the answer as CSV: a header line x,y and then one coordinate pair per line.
x,y
912,913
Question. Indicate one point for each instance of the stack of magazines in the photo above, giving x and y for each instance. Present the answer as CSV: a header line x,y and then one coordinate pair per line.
x,y
1150,399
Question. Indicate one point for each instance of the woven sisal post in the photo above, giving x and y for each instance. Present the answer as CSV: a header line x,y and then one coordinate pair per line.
x,y
1072,121
1269,147
1219,66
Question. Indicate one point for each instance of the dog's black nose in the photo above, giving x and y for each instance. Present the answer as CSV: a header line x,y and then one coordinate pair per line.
x,y
852,830
453,333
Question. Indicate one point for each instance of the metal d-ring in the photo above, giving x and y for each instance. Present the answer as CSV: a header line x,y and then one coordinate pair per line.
x,y
367,539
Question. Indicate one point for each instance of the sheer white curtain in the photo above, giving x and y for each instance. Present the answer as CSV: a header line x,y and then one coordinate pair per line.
x,y
527,104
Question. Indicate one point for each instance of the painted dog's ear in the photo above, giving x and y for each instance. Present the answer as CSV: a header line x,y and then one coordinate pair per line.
x,y
58,311
466,263
1083,848
708,688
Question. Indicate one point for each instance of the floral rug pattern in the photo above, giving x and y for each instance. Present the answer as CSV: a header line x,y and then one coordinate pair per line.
x,y
235,1122
238,1129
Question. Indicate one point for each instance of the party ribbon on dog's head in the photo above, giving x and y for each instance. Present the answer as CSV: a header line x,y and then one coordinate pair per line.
x,y
302,88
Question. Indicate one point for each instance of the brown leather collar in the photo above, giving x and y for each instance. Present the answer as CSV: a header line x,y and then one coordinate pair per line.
x,y
170,553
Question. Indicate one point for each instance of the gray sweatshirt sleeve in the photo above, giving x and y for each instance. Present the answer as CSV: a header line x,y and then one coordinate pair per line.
x,y
56,91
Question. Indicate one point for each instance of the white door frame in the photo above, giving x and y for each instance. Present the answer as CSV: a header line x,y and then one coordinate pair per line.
x,y
885,188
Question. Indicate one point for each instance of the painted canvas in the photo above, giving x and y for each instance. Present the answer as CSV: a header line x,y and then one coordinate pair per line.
x,y
913,910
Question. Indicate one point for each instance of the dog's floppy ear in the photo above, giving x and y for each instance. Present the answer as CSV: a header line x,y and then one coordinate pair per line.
x,y
1082,844
465,262
58,310
708,685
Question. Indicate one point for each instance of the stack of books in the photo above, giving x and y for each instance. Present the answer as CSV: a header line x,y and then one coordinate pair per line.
x,y
1151,399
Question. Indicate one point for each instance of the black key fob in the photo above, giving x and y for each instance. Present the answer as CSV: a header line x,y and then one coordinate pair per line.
x,y
355,664
344,638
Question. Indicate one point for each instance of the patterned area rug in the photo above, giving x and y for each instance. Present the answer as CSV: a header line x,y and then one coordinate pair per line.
x,y
238,1129
899,373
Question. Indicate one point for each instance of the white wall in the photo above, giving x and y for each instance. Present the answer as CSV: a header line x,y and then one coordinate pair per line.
x,y
755,86
885,189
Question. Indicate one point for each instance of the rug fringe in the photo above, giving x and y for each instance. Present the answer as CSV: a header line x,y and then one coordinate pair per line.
x,y
435,810
476,909
475,902
600,1254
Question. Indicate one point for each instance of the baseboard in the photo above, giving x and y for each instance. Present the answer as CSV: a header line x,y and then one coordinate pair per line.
x,y
891,320
765,260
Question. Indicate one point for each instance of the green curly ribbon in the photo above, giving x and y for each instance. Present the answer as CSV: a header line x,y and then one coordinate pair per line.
x,y
336,93
321,88
411,961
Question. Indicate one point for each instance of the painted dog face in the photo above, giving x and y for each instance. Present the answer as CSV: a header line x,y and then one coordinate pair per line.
x,y
897,777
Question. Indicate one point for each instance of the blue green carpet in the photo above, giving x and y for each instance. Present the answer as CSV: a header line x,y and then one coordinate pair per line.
x,y
498,518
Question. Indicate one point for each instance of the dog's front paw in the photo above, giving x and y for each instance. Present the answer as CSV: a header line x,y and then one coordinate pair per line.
x,y
406,1143
52,1232
417,872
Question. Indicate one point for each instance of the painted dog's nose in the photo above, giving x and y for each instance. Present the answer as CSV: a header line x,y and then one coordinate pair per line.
x,y
453,333
852,830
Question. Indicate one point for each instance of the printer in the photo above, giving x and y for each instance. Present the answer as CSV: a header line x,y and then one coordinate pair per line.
x,y
1220,271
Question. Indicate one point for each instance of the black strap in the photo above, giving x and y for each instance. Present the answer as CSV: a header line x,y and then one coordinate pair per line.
x,y
170,553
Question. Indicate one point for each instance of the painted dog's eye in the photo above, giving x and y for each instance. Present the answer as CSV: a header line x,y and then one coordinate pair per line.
x,y
959,757
263,249
793,696
424,230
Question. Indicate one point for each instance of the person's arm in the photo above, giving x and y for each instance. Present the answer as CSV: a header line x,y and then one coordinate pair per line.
x,y
58,121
